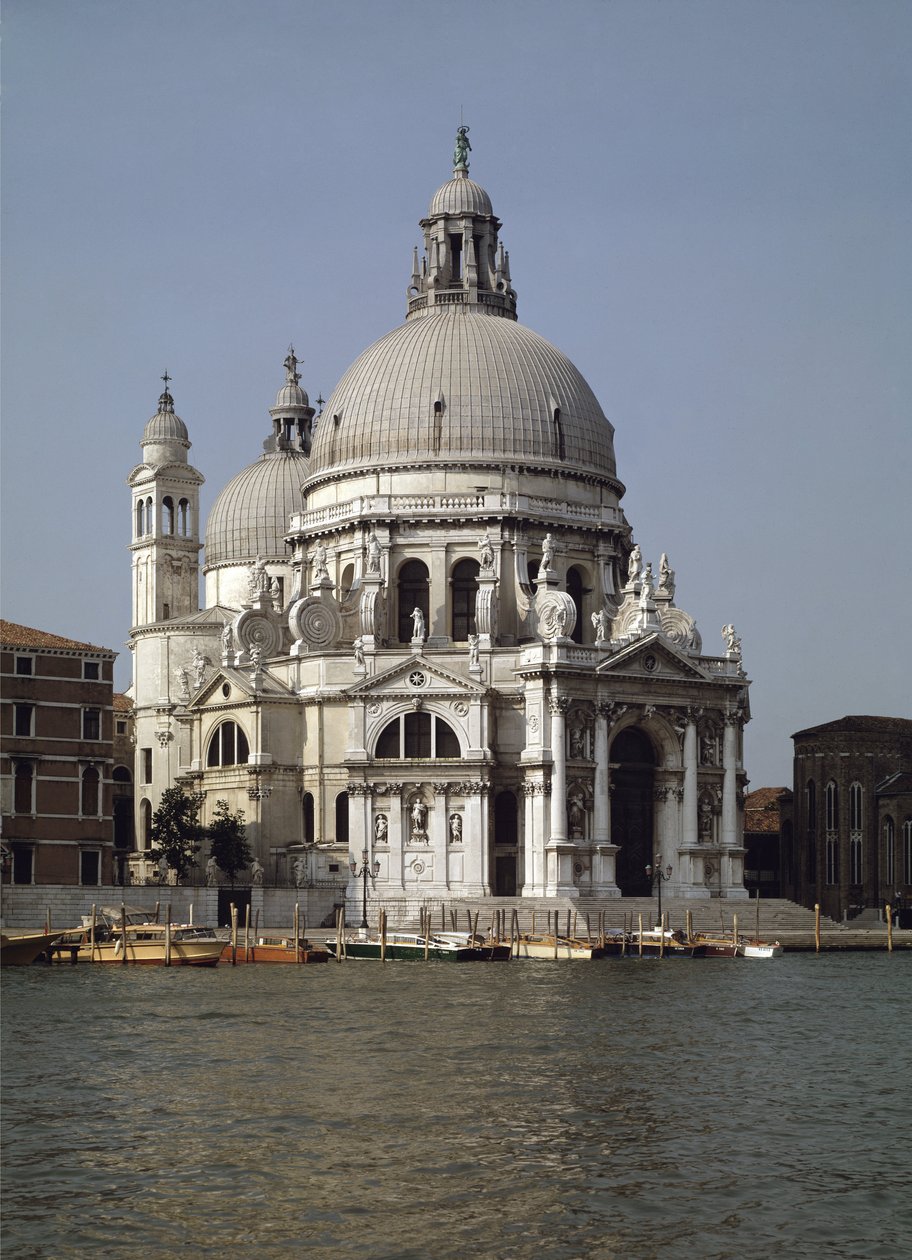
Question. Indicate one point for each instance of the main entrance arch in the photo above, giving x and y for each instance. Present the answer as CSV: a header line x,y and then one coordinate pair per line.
x,y
633,763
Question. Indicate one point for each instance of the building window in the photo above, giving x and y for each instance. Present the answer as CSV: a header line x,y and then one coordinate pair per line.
x,y
184,517
832,860
855,807
120,726
23,864
91,670
138,519
25,665
414,592
24,719
810,804
145,824
342,818
89,802
307,812
576,591
228,746
889,852
24,788
855,860
417,735
832,806
150,518
167,515
90,867
464,588
91,724
907,851
145,768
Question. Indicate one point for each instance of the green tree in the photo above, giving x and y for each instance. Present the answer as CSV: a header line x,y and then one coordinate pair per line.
x,y
176,831
228,840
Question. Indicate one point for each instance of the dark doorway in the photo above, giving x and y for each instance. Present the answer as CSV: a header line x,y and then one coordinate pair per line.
x,y
505,875
240,897
506,839
633,776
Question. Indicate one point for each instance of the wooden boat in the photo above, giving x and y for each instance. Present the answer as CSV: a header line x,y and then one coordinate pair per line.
x,y
541,945
405,945
656,943
278,949
19,949
759,949
149,944
716,945
493,950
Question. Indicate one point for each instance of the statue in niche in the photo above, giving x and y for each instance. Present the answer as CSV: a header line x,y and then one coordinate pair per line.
x,y
463,148
732,641
318,564
487,553
381,829
227,638
373,554
600,625
256,873
576,813
634,564
705,821
419,819
455,828
299,871
418,628
473,651
547,555
577,742
708,748
358,647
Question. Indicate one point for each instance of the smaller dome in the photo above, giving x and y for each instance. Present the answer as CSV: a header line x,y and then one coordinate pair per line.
x,y
165,426
291,395
250,517
460,195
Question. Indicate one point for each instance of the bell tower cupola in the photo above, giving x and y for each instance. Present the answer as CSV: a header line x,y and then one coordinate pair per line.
x,y
165,520
464,263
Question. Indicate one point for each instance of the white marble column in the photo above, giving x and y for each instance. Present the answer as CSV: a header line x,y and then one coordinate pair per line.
x,y
690,822
730,836
601,813
558,707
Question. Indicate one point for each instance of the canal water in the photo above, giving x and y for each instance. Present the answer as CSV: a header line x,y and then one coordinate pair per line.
x,y
552,1111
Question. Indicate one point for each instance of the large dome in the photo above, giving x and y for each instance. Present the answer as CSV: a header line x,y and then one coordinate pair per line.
x,y
456,384
250,516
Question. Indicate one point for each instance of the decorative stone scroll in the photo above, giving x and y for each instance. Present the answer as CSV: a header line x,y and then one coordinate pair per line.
x,y
315,623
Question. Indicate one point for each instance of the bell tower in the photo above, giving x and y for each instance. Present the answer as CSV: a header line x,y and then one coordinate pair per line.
x,y
165,520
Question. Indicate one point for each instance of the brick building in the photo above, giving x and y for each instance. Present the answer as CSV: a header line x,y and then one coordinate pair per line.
x,y
761,841
56,767
847,826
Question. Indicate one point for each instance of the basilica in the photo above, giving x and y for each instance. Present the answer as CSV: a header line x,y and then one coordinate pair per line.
x,y
429,639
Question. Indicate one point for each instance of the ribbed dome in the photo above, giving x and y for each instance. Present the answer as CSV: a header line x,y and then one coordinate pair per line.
x,y
250,516
458,385
460,195
165,426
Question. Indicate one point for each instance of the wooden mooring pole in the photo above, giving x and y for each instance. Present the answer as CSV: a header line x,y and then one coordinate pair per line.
x,y
168,934
817,927
889,910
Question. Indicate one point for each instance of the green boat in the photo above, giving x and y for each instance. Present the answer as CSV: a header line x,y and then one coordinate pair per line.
x,y
407,945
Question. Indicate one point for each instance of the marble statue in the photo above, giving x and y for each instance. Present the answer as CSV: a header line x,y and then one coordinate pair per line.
x,y
256,873
547,555
227,637
373,554
634,564
299,871
381,829
732,641
211,872
419,819
600,625
418,628
199,667
358,648
473,651
487,553
319,569
455,828
463,148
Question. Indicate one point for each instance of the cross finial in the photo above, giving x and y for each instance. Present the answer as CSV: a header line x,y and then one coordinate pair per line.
x,y
166,378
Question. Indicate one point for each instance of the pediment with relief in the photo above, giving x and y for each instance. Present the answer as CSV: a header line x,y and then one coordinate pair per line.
x,y
240,688
652,657
416,677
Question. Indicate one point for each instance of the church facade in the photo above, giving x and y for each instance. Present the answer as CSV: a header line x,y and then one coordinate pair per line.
x,y
428,635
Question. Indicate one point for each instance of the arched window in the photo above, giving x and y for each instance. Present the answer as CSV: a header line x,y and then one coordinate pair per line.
x,y
228,746
417,735
855,807
183,520
414,592
832,806
505,818
348,576
307,817
138,525
464,589
150,518
24,792
907,851
89,803
889,853
576,592
145,823
855,860
342,818
167,515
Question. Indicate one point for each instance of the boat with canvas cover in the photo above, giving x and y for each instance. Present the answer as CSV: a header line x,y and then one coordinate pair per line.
x,y
145,942
400,946
544,946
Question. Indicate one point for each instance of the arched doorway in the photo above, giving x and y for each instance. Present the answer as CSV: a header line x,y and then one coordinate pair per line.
x,y
506,840
632,759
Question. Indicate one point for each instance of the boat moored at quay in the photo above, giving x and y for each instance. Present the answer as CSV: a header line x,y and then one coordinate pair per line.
x,y
401,946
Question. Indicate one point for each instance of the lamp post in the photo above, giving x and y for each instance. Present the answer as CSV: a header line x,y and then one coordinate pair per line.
x,y
657,876
368,870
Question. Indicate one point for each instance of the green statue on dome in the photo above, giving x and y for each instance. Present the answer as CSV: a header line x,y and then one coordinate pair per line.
x,y
462,150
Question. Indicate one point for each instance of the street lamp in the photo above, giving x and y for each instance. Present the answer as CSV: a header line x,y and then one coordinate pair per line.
x,y
368,869
657,876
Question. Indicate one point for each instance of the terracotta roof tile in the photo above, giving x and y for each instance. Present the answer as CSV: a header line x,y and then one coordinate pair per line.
x,y
16,636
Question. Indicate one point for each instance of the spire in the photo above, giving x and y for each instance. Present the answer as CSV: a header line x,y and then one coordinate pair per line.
x,y
165,401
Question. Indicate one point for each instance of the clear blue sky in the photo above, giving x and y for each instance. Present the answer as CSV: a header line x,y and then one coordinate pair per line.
x,y
707,207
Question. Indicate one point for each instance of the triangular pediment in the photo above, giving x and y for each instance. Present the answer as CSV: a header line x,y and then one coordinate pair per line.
x,y
402,679
240,689
652,657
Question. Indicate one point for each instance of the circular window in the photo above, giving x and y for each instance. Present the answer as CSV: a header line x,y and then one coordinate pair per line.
x,y
226,690
650,663
417,678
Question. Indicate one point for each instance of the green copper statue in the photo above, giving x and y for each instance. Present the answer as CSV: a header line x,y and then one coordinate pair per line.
x,y
463,148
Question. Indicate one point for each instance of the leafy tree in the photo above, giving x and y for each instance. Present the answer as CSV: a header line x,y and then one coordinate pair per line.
x,y
176,831
228,840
